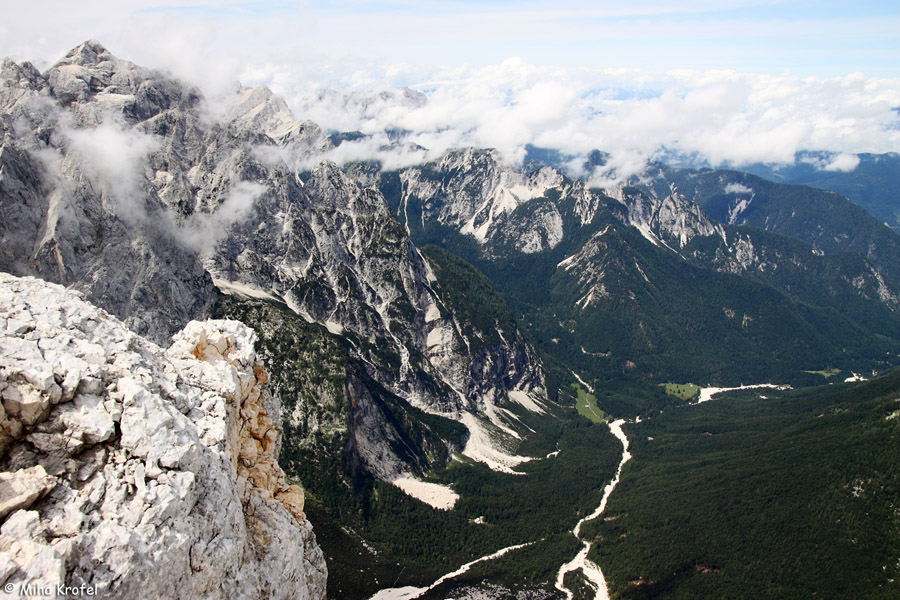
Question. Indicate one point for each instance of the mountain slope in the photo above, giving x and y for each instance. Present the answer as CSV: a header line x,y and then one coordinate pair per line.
x,y
872,183
143,194
828,221
641,280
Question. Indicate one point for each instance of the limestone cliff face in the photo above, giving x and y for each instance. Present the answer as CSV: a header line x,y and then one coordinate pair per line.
x,y
138,471
528,210
474,192
74,205
126,184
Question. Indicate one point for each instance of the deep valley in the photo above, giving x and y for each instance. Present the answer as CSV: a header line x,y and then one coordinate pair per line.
x,y
463,360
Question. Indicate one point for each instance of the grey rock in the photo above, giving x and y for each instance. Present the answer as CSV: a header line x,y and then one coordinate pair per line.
x,y
161,503
21,489
475,192
196,190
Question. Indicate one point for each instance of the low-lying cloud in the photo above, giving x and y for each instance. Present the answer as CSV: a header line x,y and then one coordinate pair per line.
x,y
843,162
723,118
114,158
738,189
203,231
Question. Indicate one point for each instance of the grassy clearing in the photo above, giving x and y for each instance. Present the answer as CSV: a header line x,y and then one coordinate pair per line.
x,y
826,373
587,406
684,391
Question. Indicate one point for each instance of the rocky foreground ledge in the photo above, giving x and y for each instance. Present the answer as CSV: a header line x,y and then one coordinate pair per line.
x,y
138,472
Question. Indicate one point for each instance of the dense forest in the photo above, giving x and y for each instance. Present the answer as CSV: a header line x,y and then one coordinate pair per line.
x,y
760,494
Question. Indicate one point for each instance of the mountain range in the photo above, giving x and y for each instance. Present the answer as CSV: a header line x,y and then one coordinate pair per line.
x,y
428,329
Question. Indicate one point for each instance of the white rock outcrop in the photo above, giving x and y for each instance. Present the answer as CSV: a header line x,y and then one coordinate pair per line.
x,y
140,472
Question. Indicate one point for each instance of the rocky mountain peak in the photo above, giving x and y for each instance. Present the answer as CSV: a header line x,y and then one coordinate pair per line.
x,y
669,219
17,80
259,110
88,53
476,192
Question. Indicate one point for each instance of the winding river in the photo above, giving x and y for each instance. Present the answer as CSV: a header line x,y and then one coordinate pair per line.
x,y
410,592
591,571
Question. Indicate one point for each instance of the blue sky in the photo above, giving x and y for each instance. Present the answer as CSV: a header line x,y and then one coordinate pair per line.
x,y
825,38
810,38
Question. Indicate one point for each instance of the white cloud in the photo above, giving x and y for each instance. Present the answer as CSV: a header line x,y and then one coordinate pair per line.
x,y
843,162
727,117
378,147
738,188
202,231
831,161
113,158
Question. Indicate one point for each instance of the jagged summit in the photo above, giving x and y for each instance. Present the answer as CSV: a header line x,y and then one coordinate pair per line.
x,y
88,53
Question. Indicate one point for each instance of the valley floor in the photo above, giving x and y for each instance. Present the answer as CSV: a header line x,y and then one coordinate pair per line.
x,y
708,494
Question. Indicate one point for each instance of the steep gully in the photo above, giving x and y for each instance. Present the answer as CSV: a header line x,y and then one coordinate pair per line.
x,y
591,571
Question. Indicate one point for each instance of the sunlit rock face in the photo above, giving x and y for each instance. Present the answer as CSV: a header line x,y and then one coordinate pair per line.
x,y
476,193
138,471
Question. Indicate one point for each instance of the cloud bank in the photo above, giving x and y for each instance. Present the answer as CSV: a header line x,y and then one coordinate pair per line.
x,y
418,78
724,118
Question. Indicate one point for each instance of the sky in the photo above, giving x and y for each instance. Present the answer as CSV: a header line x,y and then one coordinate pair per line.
x,y
730,81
